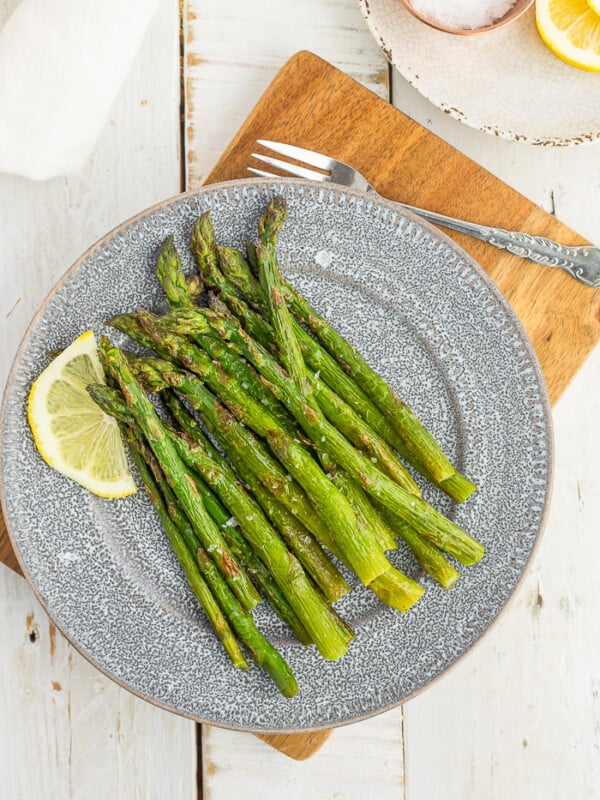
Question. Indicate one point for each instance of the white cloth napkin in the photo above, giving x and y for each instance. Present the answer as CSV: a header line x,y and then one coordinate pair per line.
x,y
61,65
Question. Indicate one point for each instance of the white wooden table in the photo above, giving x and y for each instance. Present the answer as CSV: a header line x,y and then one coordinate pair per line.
x,y
520,716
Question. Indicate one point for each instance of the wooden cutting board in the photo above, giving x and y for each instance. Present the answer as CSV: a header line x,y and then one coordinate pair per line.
x,y
313,105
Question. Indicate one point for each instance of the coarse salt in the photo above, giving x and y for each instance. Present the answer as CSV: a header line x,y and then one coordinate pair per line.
x,y
463,14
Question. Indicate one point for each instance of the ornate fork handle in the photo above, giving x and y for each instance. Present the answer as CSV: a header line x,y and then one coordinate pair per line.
x,y
582,263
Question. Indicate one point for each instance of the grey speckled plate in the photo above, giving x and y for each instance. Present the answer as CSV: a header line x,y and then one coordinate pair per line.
x,y
431,322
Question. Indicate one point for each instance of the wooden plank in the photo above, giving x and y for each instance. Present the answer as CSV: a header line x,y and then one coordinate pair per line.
x,y
520,717
233,50
67,731
359,762
7,554
297,746
559,179
521,711
313,105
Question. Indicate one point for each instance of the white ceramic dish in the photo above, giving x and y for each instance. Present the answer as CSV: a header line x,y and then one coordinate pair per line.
x,y
506,83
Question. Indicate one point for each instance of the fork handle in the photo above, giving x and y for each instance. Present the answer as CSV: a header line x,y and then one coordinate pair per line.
x,y
582,263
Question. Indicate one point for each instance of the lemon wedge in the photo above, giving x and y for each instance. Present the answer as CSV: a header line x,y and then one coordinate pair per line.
x,y
72,433
571,29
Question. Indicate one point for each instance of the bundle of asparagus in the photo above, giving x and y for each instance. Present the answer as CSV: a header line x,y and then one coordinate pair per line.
x,y
308,463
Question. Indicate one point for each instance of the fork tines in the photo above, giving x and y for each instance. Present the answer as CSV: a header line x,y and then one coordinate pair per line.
x,y
309,157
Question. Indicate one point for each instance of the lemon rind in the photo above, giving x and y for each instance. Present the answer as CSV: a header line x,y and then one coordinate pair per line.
x,y
560,45
123,488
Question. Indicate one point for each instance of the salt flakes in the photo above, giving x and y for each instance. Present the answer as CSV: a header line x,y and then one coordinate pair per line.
x,y
463,14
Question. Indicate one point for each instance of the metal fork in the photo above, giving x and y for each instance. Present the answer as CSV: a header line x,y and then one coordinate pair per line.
x,y
582,263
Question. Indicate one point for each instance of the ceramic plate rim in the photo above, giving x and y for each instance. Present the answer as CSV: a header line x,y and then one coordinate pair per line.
x,y
478,125
490,285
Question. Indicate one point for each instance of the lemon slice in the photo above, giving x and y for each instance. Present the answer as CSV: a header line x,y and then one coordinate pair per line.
x,y
594,5
71,432
571,29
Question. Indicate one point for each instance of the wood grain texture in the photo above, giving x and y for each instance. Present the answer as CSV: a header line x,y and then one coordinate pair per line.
x,y
7,554
392,183
70,733
298,746
313,105
359,762
66,731
560,180
233,50
520,717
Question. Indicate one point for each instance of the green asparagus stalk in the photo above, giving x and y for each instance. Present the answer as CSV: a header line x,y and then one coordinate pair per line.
x,y
362,552
238,273
112,403
232,436
239,546
416,438
242,447
397,590
170,275
349,422
251,256
109,401
313,559
298,539
419,514
284,567
236,270
293,534
195,287
287,345
282,500
203,526
196,582
430,558
292,359
335,409
186,490
392,587
215,303
364,510
353,427
260,649
241,444
248,452
361,435
317,395
130,325
204,249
